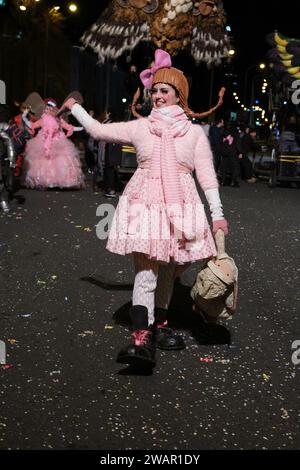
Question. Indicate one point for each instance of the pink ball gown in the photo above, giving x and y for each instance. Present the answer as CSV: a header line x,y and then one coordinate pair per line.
x,y
51,159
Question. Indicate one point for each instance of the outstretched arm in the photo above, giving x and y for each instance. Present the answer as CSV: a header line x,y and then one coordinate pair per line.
x,y
119,132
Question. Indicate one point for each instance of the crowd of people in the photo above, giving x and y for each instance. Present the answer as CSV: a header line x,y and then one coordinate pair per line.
x,y
232,144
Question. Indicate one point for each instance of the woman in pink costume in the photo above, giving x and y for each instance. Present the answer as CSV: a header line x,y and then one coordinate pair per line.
x,y
160,218
51,159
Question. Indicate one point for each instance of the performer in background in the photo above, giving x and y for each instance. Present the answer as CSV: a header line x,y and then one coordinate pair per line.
x,y
51,159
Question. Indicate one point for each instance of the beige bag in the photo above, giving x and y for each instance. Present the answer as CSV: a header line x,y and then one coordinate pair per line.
x,y
215,290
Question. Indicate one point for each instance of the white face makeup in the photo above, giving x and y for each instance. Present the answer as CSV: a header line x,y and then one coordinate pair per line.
x,y
163,95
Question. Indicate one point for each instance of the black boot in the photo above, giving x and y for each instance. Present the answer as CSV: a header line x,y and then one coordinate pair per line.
x,y
142,351
165,337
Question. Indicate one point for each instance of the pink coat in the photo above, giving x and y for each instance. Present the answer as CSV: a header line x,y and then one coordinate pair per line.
x,y
192,150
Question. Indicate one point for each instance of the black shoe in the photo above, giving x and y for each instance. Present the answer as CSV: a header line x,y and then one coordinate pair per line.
x,y
140,353
166,338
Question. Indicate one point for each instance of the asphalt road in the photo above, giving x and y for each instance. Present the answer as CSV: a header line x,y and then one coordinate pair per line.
x,y
64,316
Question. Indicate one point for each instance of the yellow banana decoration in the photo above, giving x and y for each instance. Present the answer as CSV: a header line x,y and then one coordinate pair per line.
x,y
279,40
281,49
285,56
293,70
287,63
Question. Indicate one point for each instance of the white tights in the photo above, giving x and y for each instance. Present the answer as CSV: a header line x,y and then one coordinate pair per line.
x,y
153,283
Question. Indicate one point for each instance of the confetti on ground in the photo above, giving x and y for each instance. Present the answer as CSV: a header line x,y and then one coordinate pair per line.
x,y
78,226
284,414
6,366
12,341
223,361
41,282
87,229
108,327
86,333
206,359
54,277
266,377
25,315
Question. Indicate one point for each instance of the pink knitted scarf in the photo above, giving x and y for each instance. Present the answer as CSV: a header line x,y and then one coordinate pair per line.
x,y
167,124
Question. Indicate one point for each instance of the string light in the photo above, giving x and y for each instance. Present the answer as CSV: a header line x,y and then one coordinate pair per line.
x,y
236,97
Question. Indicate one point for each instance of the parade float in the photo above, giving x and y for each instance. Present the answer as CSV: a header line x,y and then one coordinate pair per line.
x,y
284,57
173,25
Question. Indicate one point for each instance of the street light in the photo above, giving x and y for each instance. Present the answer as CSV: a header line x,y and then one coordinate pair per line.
x,y
72,7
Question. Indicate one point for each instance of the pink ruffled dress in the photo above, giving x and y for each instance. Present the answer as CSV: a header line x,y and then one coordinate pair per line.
x,y
144,198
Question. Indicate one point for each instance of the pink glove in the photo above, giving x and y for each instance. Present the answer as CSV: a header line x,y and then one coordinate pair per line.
x,y
220,224
67,105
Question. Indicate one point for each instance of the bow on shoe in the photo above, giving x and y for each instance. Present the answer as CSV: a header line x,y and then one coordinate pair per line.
x,y
161,60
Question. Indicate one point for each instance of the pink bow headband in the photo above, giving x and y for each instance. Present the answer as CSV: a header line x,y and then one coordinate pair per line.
x,y
161,60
